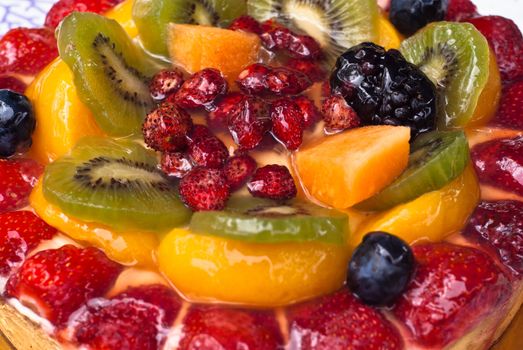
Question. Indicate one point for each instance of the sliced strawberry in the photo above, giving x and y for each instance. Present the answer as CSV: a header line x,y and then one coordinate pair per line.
x,y
287,122
453,288
20,232
57,282
460,10
227,106
510,112
16,182
249,123
340,321
27,50
498,226
214,327
63,8
12,83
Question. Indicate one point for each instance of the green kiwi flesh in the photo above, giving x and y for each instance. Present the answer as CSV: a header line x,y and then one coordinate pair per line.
x,y
116,183
152,17
111,73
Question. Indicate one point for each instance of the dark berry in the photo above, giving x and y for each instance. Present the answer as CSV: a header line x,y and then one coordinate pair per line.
x,y
310,68
410,15
17,123
204,189
259,79
225,107
209,152
246,24
165,83
176,164
238,170
201,89
272,182
287,123
250,122
380,268
383,88
309,113
338,115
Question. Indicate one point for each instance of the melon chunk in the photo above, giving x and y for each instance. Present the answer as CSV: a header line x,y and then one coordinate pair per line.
x,y
195,47
346,168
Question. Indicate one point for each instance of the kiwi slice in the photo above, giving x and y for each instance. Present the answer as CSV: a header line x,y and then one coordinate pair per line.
x,y
336,24
455,56
114,182
153,16
111,73
263,221
436,158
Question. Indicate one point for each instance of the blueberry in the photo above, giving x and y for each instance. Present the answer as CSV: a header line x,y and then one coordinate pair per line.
x,y
410,15
380,268
17,123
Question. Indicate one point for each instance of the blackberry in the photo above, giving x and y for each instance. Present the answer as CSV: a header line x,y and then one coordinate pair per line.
x,y
410,15
383,88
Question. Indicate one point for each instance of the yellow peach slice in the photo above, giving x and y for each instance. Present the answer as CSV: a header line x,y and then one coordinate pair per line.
x,y
122,13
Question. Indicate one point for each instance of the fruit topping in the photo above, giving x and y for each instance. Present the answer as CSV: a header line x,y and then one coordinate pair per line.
x,y
165,83
509,53
57,282
312,69
272,182
436,159
259,79
27,50
287,122
349,167
338,115
380,269
20,232
204,189
499,226
510,107
238,170
11,83
459,10
116,183
410,15
176,164
499,163
165,128
276,37
214,327
110,72
340,321
383,88
208,152
63,8
201,89
455,56
17,123
453,288
19,176
310,115
263,221
223,108
249,122
247,24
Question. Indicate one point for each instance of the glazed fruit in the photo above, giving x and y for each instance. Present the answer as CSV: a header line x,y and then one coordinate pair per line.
x,y
260,79
249,122
509,112
204,189
17,123
238,170
8,82
310,114
272,182
368,77
246,24
211,268
287,123
410,15
436,158
201,89
207,151
338,115
264,221
340,170
19,176
388,36
63,8
312,69
116,183
459,10
176,164
165,83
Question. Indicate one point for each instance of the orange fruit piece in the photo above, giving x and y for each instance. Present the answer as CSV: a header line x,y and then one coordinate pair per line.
x,y
388,36
195,47
346,168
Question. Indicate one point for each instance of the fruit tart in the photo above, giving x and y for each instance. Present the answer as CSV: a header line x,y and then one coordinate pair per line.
x,y
261,175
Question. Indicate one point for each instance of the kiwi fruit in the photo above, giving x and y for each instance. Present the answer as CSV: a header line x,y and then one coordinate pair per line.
x,y
455,56
436,158
116,183
264,221
111,73
152,17
336,24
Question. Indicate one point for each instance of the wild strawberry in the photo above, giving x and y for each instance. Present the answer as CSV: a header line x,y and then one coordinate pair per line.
x,y
510,109
214,327
310,68
285,81
460,10
275,36
226,106
249,124
63,8
176,164
499,163
19,176
165,128
253,79
204,189
453,288
246,24
208,152
509,53
338,115
201,89
20,232
304,46
165,83
199,133
57,282
340,321
498,226
12,83
238,170
309,113
287,123
273,182
27,50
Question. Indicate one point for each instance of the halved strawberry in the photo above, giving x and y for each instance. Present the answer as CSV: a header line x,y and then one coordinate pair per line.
x,y
11,83
63,8
510,112
16,182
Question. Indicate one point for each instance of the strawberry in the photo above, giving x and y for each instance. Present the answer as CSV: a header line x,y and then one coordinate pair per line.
x,y
208,152
498,226
246,24
460,10
273,182
338,115
63,8
176,164
309,113
249,123
225,107
310,68
27,50
165,83
11,83
509,53
260,79
20,232
200,89
57,282
287,123
510,112
18,179
340,321
453,288
204,189
238,170
214,327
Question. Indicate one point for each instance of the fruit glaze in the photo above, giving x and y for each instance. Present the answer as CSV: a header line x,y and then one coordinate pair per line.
x,y
261,175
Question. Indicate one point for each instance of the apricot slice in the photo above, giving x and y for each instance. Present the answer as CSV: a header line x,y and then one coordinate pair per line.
x,y
388,36
122,13
346,168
